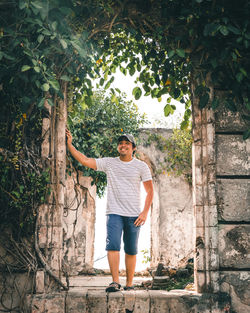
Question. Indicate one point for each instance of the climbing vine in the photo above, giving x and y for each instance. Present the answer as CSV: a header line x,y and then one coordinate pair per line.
x,y
177,153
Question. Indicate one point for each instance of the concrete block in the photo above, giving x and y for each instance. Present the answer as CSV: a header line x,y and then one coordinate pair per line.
x,y
234,246
76,302
211,237
233,155
226,120
39,281
142,302
96,301
164,301
116,302
55,302
237,285
210,215
233,198
38,304
129,297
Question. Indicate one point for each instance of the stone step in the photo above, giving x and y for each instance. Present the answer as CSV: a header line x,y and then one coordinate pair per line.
x,y
139,301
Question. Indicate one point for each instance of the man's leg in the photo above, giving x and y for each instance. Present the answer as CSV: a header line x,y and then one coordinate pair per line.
x,y
130,262
130,238
114,261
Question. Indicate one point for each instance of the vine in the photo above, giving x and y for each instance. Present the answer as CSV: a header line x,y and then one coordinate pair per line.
x,y
177,153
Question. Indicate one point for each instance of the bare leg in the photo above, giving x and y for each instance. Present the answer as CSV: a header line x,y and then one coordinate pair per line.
x,y
114,261
130,262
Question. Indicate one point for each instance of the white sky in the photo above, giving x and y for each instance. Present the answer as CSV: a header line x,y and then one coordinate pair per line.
x,y
153,109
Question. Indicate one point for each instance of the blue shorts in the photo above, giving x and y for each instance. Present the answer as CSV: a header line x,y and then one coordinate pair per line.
x,y
116,224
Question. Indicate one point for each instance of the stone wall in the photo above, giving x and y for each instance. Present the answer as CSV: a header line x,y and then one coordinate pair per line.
x,y
233,198
172,209
221,172
78,224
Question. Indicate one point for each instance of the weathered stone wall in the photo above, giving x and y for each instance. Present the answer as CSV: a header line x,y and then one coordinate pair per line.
x,y
172,210
221,173
233,198
78,224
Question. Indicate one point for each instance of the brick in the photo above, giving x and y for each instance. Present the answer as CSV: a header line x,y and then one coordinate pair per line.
x,y
233,199
234,246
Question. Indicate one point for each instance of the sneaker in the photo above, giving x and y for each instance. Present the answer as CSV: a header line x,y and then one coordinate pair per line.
x,y
113,287
128,288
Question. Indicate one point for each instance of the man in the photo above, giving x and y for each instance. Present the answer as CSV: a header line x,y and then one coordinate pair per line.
x,y
124,176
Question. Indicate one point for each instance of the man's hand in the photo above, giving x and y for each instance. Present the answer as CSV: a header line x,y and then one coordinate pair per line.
x,y
141,219
69,137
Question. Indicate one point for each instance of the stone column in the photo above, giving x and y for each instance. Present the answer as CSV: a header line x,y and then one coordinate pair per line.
x,y
204,200
50,214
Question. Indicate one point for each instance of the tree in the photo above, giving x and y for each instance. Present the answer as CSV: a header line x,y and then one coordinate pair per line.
x,y
95,128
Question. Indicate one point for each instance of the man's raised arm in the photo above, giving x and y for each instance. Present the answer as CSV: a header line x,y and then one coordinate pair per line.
x,y
89,162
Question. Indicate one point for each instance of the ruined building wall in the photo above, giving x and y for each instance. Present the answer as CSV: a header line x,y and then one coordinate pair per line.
x,y
78,224
172,209
221,172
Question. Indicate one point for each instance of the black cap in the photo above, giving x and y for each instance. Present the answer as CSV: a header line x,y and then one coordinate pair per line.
x,y
127,137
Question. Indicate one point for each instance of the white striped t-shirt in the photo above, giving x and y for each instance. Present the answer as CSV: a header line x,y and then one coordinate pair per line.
x,y
124,184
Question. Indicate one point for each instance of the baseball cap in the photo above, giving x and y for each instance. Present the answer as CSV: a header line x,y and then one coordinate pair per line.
x,y
127,137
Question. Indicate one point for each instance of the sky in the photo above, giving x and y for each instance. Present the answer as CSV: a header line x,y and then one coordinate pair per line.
x,y
155,114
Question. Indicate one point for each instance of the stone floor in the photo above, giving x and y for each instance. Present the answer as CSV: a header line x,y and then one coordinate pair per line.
x,y
99,282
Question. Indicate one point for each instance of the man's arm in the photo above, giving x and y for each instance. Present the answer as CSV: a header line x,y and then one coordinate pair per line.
x,y
148,185
89,162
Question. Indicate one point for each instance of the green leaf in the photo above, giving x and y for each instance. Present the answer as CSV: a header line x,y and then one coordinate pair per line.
x,y
66,78
171,53
63,43
215,103
137,92
246,134
168,110
239,77
25,68
50,102
181,53
54,84
22,4
41,103
243,71
224,30
37,69
54,25
234,30
45,87
36,4
40,38
131,71
203,100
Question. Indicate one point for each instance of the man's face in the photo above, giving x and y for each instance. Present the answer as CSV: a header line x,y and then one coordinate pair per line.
x,y
125,148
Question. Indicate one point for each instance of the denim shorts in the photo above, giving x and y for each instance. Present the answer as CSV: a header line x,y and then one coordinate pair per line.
x,y
116,224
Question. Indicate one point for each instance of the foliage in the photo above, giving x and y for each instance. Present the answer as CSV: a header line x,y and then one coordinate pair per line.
x,y
174,43
146,256
23,182
177,153
95,128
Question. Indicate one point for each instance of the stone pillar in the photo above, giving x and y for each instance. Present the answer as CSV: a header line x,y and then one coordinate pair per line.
x,y
50,231
204,200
